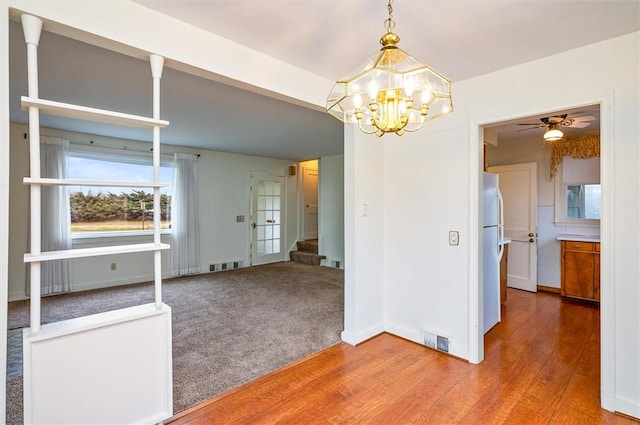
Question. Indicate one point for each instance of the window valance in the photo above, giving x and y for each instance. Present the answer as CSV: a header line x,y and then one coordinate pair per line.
x,y
584,147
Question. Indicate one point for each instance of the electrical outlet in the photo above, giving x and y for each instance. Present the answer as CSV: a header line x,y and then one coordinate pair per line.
x,y
114,267
454,238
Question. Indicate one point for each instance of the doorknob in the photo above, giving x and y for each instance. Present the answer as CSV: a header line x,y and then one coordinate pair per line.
x,y
530,235
253,225
531,240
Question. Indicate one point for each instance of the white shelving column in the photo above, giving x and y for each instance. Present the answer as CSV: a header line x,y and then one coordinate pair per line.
x,y
157,62
32,28
112,367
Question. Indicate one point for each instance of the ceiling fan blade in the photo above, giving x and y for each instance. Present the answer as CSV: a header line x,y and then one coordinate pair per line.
x,y
588,117
530,128
580,124
532,123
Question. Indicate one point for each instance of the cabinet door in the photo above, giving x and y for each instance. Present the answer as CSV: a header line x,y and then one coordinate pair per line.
x,y
578,274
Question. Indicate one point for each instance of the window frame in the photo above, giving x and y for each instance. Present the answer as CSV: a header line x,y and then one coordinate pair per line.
x,y
560,201
116,155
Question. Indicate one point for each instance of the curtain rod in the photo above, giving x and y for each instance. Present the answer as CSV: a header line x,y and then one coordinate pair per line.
x,y
92,143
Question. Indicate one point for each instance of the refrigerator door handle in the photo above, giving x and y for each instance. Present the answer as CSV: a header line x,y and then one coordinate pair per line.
x,y
500,225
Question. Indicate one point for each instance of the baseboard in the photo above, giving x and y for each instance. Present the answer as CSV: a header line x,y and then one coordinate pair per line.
x,y
629,408
551,289
455,348
86,286
355,338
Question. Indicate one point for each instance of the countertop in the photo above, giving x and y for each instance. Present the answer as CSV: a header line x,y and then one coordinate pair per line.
x,y
504,241
579,238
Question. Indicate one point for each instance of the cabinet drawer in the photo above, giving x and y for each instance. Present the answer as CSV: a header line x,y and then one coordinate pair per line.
x,y
597,247
579,246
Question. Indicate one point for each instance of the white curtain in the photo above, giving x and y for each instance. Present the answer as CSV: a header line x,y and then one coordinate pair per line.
x,y
56,215
185,235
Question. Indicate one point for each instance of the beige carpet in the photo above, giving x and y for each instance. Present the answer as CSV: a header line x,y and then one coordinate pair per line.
x,y
228,327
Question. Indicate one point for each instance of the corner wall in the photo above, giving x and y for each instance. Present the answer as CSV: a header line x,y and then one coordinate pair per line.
x,y
331,217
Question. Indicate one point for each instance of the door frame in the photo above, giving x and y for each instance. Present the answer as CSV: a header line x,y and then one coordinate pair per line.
x,y
533,217
283,216
607,313
303,178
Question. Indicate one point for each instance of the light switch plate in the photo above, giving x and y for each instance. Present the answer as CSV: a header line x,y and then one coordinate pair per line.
x,y
454,238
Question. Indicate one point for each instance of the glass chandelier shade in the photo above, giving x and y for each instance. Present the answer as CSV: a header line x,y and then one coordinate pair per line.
x,y
392,92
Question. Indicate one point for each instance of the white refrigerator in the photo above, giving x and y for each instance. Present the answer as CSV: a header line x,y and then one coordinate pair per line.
x,y
492,234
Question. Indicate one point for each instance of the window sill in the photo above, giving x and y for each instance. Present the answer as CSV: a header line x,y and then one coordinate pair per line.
x,y
94,237
577,223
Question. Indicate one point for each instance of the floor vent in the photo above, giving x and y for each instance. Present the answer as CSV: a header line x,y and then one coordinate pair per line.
x,y
225,266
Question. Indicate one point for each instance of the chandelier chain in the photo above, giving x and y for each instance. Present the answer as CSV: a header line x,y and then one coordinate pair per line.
x,y
389,23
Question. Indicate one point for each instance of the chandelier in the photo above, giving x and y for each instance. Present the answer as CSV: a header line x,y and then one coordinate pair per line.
x,y
392,92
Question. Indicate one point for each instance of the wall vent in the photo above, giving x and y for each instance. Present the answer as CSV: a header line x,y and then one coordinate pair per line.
x,y
225,266
437,342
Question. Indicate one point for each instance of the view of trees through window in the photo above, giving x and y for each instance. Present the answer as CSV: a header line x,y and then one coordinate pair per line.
x,y
116,209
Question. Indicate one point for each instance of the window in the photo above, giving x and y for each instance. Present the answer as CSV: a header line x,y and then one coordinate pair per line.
x,y
578,192
583,201
116,209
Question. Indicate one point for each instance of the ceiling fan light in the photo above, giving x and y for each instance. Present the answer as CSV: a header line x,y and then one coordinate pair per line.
x,y
553,134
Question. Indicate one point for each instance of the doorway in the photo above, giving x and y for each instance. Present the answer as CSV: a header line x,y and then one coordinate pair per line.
x,y
534,195
518,184
267,219
530,147
310,199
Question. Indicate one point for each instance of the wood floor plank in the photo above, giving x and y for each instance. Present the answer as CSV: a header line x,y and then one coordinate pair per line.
x,y
542,365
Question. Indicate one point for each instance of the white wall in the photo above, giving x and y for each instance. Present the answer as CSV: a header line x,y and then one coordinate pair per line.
x,y
421,291
331,214
223,194
364,209
530,149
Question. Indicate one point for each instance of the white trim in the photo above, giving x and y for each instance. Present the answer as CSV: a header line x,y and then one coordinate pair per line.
x,y
475,353
607,254
355,338
4,200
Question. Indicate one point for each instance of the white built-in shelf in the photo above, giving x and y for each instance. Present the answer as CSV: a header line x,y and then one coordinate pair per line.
x,y
96,183
68,110
93,252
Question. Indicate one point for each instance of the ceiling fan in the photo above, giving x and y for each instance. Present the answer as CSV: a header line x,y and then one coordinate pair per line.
x,y
553,124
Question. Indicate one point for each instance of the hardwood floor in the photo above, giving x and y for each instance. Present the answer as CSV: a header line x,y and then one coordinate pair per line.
x,y
542,365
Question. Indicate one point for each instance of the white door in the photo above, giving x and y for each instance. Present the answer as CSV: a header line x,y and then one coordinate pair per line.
x,y
310,184
267,219
519,187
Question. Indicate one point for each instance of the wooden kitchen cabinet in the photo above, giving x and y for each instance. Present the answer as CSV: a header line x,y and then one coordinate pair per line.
x,y
580,270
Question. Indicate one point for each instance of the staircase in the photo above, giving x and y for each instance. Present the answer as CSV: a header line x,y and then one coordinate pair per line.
x,y
307,253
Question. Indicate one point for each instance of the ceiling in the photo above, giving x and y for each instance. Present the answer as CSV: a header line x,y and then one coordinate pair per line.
x,y
461,39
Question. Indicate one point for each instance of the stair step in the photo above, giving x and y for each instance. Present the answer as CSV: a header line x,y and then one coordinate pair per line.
x,y
310,245
306,257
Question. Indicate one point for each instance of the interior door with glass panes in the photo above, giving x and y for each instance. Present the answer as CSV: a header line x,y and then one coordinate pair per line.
x,y
267,219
